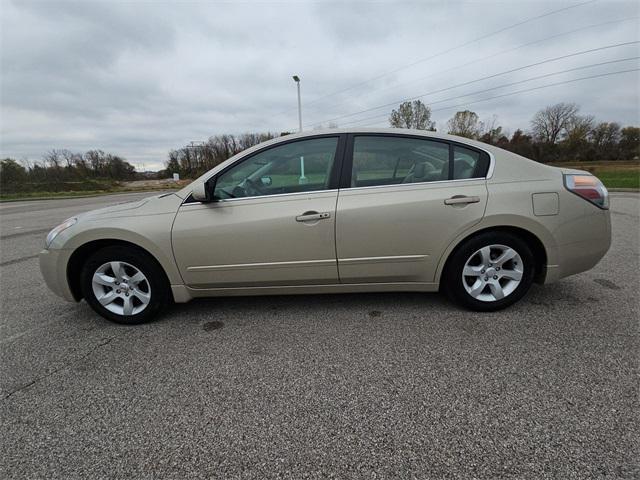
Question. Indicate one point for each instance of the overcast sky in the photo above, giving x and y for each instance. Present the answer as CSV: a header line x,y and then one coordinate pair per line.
x,y
140,78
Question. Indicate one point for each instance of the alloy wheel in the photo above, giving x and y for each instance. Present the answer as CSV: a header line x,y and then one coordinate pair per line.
x,y
492,273
121,288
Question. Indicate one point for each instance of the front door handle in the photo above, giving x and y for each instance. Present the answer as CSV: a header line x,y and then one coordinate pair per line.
x,y
461,199
312,216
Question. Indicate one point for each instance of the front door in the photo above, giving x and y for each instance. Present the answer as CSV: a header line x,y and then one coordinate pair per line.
x,y
406,200
273,221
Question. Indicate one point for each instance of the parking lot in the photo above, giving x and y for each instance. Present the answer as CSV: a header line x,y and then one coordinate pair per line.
x,y
338,386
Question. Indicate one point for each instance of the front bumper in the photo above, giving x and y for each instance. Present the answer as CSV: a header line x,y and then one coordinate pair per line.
x,y
53,265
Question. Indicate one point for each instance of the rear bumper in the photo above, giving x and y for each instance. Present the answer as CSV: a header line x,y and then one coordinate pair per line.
x,y
580,257
584,254
53,265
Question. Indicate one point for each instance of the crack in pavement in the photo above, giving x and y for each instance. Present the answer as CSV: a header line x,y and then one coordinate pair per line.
x,y
24,234
615,212
18,260
61,367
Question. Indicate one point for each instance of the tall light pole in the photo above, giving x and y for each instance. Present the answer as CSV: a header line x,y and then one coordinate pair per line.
x,y
296,79
302,179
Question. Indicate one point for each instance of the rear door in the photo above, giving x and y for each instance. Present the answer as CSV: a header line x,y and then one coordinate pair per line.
x,y
404,200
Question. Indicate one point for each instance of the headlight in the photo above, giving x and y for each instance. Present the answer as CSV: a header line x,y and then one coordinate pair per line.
x,y
63,226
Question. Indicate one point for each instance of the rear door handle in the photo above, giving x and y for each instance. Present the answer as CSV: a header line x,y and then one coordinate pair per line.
x,y
461,199
312,216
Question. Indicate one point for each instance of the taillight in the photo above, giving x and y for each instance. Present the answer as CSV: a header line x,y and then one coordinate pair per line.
x,y
589,188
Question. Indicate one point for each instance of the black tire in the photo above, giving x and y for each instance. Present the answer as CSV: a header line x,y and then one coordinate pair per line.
x,y
155,276
453,280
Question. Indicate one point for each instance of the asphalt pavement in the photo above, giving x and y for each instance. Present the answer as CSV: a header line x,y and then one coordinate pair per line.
x,y
336,386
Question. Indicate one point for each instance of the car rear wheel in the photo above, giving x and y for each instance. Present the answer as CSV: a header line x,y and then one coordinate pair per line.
x,y
490,271
124,285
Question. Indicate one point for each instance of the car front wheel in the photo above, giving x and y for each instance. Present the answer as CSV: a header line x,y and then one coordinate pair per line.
x,y
490,271
124,285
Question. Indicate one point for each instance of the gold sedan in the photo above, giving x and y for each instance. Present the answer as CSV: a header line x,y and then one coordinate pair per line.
x,y
339,211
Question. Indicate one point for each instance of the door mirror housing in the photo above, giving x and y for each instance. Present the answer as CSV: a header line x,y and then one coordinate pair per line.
x,y
201,192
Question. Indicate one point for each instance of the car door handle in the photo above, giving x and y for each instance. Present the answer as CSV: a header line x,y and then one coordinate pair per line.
x,y
461,199
312,216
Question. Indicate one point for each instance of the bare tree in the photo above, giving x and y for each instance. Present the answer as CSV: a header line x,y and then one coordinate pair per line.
x,y
578,128
605,138
412,115
550,123
70,158
576,136
53,158
198,158
465,124
492,132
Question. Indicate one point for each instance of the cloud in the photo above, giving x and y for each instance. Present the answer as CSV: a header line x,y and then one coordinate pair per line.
x,y
140,78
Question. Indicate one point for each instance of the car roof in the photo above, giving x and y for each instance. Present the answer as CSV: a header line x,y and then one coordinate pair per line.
x,y
394,131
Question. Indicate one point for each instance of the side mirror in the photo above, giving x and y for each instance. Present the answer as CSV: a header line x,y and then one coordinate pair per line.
x,y
200,192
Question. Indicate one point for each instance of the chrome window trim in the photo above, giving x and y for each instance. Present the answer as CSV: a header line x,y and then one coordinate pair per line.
x,y
412,184
275,195
492,164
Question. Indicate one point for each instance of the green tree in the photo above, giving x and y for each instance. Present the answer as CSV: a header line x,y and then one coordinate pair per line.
x,y
465,124
629,143
521,144
412,115
12,174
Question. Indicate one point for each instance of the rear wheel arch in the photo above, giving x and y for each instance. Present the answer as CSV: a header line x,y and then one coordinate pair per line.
x,y
84,251
533,242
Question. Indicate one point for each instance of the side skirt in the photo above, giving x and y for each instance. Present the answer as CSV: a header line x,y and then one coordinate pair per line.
x,y
182,293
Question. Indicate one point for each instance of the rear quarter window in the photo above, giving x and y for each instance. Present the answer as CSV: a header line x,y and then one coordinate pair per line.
x,y
468,163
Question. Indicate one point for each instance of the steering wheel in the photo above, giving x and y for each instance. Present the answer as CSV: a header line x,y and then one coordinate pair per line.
x,y
248,188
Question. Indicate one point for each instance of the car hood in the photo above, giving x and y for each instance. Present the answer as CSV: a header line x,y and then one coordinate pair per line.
x,y
164,203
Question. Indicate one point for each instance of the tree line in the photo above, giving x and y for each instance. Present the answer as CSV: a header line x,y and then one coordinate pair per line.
x,y
63,170
557,133
193,160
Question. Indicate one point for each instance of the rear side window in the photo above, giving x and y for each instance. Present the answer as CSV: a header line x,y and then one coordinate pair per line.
x,y
469,163
381,160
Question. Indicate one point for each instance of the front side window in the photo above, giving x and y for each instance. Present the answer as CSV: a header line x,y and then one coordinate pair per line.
x,y
379,160
301,166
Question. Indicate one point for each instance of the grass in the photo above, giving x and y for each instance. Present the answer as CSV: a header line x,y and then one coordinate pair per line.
x,y
44,195
6,197
619,179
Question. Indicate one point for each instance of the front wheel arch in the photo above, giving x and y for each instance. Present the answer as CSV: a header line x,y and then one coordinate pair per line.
x,y
82,253
533,242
